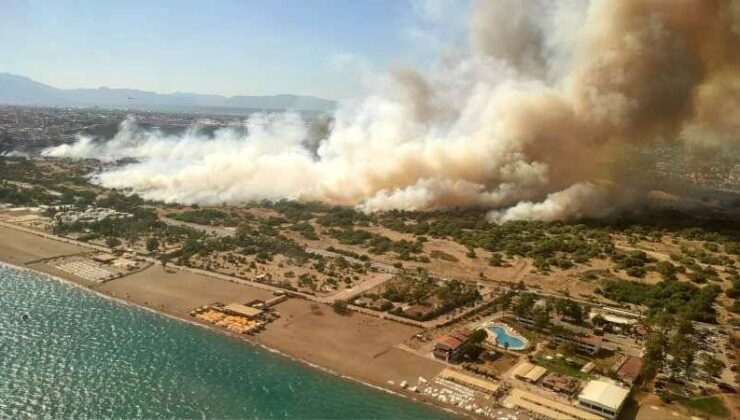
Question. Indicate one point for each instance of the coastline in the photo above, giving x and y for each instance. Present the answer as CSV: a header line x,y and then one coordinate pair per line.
x,y
9,256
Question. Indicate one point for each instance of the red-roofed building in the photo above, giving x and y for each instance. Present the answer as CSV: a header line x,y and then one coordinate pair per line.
x,y
629,370
447,346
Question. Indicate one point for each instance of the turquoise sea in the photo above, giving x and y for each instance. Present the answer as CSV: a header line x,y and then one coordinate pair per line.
x,y
80,355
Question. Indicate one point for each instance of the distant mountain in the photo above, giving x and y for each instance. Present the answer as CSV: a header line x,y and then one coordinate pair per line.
x,y
20,90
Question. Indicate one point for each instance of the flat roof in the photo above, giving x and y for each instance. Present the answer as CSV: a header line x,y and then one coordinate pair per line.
x,y
616,319
535,373
547,407
471,380
621,312
450,342
243,310
522,368
605,394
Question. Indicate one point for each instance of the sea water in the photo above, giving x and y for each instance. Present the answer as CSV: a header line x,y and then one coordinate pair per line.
x,y
67,352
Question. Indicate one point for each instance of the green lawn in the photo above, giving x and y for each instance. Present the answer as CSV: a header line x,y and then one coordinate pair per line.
x,y
562,367
714,406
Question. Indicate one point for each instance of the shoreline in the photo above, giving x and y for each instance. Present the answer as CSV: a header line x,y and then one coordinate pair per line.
x,y
12,261
238,337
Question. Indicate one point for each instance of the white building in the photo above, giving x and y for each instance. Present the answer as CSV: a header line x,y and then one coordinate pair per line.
x,y
603,398
90,215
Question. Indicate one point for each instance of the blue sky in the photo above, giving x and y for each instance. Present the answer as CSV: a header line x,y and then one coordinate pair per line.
x,y
250,47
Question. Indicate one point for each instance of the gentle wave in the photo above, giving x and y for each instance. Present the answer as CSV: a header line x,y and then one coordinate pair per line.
x,y
77,354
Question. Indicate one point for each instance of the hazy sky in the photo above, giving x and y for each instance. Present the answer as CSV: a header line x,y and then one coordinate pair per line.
x,y
314,47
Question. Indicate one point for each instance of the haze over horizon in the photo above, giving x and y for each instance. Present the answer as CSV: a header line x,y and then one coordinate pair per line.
x,y
20,90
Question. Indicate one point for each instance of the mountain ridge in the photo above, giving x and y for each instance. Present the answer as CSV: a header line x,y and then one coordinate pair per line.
x,y
21,90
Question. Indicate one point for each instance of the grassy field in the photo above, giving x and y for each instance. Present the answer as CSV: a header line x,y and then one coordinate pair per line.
x,y
562,367
713,406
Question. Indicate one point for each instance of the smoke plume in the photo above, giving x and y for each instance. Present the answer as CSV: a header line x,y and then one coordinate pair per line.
x,y
523,123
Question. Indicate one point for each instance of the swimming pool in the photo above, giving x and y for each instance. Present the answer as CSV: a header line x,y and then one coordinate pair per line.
x,y
503,338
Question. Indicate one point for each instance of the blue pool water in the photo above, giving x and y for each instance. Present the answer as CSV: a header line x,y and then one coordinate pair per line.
x,y
502,338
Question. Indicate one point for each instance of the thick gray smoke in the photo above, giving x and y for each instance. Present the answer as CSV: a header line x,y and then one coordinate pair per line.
x,y
549,93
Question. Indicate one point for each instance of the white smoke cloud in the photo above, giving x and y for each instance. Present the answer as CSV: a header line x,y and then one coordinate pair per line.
x,y
579,200
519,124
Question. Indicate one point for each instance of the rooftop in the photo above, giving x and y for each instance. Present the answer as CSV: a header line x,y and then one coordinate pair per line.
x,y
469,380
547,407
605,394
243,310
621,320
535,373
449,341
522,369
630,368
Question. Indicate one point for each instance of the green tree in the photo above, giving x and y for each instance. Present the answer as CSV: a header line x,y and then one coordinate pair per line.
x,y
575,311
541,318
524,305
496,260
567,348
653,357
340,306
712,365
663,321
152,244
682,348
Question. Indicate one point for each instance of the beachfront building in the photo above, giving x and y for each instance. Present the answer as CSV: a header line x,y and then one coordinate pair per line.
x,y
448,346
603,398
529,372
589,344
561,384
243,310
469,381
546,408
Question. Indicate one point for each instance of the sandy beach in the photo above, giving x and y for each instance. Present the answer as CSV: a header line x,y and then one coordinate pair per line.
x,y
21,248
358,346
355,345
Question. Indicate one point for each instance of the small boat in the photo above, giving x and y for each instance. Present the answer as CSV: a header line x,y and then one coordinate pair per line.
x,y
25,317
